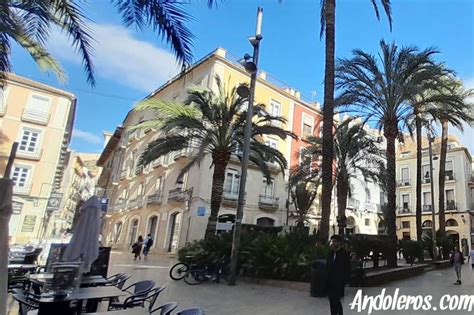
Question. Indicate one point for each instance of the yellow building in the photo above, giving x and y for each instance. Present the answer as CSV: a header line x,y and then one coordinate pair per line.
x,y
459,202
37,116
149,201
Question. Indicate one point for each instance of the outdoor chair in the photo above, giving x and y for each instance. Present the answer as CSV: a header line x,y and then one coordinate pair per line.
x,y
139,300
114,279
139,289
121,282
26,304
18,282
27,294
165,309
191,311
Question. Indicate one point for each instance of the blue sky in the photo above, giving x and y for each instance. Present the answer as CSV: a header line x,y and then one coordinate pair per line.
x,y
130,64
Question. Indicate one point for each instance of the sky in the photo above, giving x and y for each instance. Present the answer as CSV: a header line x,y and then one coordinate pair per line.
x,y
131,63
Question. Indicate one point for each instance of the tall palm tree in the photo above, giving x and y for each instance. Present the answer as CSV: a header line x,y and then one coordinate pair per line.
x,y
328,27
29,22
381,90
303,194
451,107
357,154
212,123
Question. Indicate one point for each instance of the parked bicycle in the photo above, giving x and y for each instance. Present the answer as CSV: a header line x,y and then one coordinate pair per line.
x,y
197,273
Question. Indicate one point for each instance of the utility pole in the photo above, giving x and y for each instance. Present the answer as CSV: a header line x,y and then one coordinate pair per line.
x,y
255,41
433,225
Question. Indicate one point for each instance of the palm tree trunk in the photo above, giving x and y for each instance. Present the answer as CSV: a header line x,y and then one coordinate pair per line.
x,y
218,177
328,114
442,178
342,191
390,131
419,231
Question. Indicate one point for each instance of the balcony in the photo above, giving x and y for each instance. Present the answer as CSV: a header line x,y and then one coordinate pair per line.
x,y
134,135
135,203
177,195
449,176
404,183
35,116
22,190
451,205
30,155
139,169
120,204
404,210
426,180
268,202
155,199
184,153
353,203
123,173
426,208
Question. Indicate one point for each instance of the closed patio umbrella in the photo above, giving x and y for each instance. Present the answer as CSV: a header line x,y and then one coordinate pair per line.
x,y
84,245
6,189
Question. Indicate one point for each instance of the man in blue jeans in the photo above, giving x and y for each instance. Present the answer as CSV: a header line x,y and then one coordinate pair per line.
x,y
339,271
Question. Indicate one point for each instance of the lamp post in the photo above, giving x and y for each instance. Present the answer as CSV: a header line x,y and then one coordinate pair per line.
x,y
433,224
251,67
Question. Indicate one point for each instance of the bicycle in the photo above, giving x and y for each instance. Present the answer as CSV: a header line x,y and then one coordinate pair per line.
x,y
194,273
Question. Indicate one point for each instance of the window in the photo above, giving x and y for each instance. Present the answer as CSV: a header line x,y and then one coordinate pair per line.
x,y
405,224
141,190
272,143
450,195
133,162
426,200
159,184
37,109
406,235
308,126
232,182
449,173
3,104
425,173
29,223
405,154
368,198
268,187
405,174
20,176
406,201
274,108
265,221
367,222
425,151
29,141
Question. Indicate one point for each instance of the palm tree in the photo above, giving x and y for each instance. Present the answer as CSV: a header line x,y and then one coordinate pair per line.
x,y
29,22
451,107
303,194
357,154
381,90
212,123
328,27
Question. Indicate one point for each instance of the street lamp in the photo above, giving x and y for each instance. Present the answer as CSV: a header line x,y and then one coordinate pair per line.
x,y
433,225
251,67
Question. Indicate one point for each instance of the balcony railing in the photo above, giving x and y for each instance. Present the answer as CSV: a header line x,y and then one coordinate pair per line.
x,y
177,194
449,175
404,210
154,199
35,116
451,205
268,202
230,197
426,208
426,180
123,173
34,155
135,203
184,153
22,190
120,205
403,183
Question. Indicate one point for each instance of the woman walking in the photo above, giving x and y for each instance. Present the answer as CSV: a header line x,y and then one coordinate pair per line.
x,y
457,259
137,248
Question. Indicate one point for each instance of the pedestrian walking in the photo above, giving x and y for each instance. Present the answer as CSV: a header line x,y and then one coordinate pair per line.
x,y
339,271
457,260
471,257
137,248
147,245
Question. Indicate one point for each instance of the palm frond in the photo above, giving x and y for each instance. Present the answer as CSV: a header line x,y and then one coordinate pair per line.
x,y
162,146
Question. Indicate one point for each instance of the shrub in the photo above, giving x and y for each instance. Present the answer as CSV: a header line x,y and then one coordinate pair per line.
x,y
412,250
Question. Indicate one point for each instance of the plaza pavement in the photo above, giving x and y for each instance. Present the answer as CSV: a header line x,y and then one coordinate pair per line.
x,y
250,299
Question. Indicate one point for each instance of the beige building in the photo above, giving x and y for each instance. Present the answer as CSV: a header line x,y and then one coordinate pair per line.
x,y
37,116
459,202
143,201
79,182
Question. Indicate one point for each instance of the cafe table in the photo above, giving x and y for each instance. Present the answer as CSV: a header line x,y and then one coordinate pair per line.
x,y
128,311
22,267
62,305
86,281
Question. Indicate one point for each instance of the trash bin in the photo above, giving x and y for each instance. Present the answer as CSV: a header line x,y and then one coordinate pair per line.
x,y
318,279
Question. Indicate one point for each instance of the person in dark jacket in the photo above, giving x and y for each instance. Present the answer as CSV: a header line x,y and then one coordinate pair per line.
x,y
137,248
339,271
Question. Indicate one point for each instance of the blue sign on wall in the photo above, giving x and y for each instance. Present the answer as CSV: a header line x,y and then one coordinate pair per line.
x,y
201,211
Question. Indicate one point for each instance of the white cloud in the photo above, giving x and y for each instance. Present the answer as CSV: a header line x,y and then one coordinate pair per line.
x,y
86,136
121,57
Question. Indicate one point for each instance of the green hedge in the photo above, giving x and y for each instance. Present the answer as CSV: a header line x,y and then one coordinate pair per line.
x,y
262,255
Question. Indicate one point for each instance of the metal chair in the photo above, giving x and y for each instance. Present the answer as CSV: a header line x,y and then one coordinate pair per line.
x,y
165,309
121,282
26,304
140,300
112,280
137,290
191,311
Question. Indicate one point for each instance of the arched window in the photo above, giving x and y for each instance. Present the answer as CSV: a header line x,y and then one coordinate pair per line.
x,y
265,221
174,229
152,226
133,231
427,224
451,222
